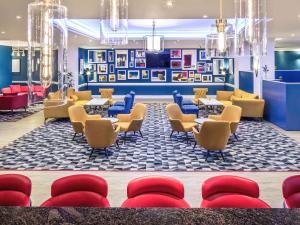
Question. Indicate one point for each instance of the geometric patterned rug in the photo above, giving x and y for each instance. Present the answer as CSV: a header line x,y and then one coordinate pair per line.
x,y
8,116
50,147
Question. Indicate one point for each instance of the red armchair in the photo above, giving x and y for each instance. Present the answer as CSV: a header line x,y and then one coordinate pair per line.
x,y
158,192
78,191
15,190
291,192
231,192
12,102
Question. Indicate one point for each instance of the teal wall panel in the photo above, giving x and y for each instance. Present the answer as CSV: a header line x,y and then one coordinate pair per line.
x,y
5,66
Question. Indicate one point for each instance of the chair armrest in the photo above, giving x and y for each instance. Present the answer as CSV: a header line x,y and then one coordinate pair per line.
x,y
188,118
224,95
214,117
93,117
49,103
250,107
124,117
117,129
195,131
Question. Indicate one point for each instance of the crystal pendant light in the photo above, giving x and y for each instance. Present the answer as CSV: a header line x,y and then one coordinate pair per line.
x,y
251,27
114,22
221,27
154,43
47,38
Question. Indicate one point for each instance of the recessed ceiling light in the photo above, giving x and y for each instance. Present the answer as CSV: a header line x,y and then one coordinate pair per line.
x,y
2,32
278,39
170,3
299,16
90,40
293,35
19,17
205,16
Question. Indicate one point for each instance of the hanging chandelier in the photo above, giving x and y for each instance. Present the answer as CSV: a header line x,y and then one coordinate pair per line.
x,y
221,30
48,35
251,27
114,22
154,43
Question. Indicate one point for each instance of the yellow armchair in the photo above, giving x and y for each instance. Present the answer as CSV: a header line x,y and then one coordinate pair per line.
x,y
199,93
213,136
180,122
107,93
100,134
133,122
57,109
82,97
78,118
58,95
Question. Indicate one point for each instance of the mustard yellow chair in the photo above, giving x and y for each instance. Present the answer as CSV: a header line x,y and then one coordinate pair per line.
x,y
101,135
231,114
107,93
213,136
132,122
82,97
70,92
58,95
199,93
180,122
78,118
57,109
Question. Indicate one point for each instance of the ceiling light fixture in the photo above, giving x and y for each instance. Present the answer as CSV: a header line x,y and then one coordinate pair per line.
x,y
154,43
221,27
114,22
205,16
18,17
170,3
3,32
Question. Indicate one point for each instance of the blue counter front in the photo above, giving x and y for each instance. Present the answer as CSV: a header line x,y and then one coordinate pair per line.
x,y
282,104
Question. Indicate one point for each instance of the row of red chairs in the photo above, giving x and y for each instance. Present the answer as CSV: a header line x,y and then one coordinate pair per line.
x,y
145,192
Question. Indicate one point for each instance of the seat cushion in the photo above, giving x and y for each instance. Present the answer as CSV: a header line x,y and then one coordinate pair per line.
x,y
293,201
226,103
187,102
188,125
15,88
155,201
14,198
77,199
119,104
81,102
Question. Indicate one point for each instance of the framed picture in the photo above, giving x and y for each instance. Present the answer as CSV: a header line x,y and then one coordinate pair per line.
x,y
219,79
158,75
93,73
175,53
176,64
202,55
112,78
131,64
111,68
189,59
133,75
201,67
191,74
103,78
219,67
81,66
191,80
16,66
102,68
97,56
206,78
145,74
121,58
180,76
121,74
140,63
132,55
208,67
198,77
111,56
140,54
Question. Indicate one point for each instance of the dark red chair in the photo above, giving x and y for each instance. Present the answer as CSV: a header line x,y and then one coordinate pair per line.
x,y
78,191
155,192
291,192
15,190
231,192
13,102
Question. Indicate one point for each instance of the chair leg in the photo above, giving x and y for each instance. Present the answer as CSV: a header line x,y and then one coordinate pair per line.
x,y
141,133
187,137
235,136
222,155
125,136
106,152
74,136
117,143
207,154
172,134
91,153
195,145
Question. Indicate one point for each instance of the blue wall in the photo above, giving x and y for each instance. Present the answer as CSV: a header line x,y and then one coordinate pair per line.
x,y
246,81
287,64
5,66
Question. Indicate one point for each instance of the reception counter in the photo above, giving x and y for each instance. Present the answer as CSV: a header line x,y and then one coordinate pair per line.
x,y
282,104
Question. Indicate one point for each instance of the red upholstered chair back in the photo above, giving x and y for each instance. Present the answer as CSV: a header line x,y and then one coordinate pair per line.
x,y
14,182
6,91
24,89
16,88
290,186
155,184
82,182
229,185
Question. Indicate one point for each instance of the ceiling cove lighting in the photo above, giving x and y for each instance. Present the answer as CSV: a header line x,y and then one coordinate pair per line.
x,y
251,40
49,39
114,22
154,43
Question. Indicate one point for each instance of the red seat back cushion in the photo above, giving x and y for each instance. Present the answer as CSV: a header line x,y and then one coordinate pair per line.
x,y
155,184
77,199
37,88
293,201
291,185
15,88
24,88
234,201
80,182
14,198
155,201
15,182
6,91
229,184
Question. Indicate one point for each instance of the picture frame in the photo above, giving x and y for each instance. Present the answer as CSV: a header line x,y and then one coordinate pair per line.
x,y
102,78
219,67
202,55
209,67
112,78
121,74
201,67
111,68
176,64
191,74
191,80
16,66
111,56
140,63
198,77
133,75
93,73
180,76
175,53
189,58
140,54
219,79
206,78
97,56
132,55
158,75
121,59
145,74
102,68
81,66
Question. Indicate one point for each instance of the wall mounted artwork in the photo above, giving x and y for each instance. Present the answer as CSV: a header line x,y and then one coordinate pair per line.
x,y
140,54
121,74
180,76
16,65
219,67
97,56
158,75
201,67
111,57
111,68
198,77
102,69
112,78
140,63
175,53
145,74
103,78
93,73
219,79
202,55
189,59
206,78
121,58
176,64
133,75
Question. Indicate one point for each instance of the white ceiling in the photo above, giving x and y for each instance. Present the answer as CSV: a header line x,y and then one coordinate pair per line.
x,y
284,13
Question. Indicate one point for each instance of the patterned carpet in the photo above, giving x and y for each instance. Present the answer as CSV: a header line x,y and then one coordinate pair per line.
x,y
50,147
8,116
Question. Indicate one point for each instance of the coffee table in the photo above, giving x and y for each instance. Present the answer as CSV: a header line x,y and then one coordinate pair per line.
x,y
113,120
96,104
202,120
211,103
